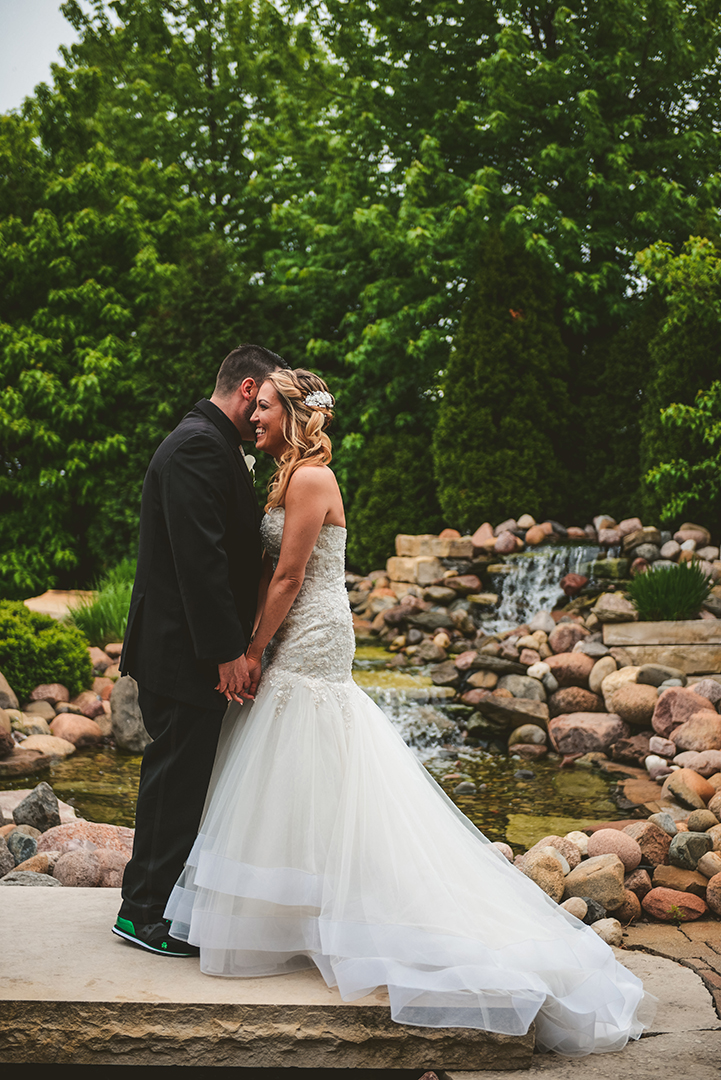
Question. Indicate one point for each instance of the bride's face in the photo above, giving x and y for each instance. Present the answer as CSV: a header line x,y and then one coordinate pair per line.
x,y
268,421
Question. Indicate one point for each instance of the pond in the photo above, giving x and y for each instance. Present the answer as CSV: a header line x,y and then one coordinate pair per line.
x,y
102,784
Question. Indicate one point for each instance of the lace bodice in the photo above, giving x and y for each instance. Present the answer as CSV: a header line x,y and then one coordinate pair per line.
x,y
316,638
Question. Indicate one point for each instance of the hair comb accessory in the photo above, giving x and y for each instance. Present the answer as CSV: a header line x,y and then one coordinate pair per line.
x,y
319,399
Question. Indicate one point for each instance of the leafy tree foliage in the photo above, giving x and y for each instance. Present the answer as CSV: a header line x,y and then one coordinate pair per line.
x,y
502,442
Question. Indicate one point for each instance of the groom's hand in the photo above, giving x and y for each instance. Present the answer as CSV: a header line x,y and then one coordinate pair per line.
x,y
234,681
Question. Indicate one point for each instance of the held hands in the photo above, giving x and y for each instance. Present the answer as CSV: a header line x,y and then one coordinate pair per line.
x,y
234,680
255,672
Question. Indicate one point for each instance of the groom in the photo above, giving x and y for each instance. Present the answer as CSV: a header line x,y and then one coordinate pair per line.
x,y
191,617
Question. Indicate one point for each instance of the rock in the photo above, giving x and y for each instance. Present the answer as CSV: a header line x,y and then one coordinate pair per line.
x,y
99,659
697,533
529,657
650,553
609,537
40,708
39,809
52,692
676,706
635,703
466,787
714,804
78,869
713,894
687,848
7,859
674,877
505,849
573,583
701,732
80,833
570,699
702,820
614,608
657,767
40,863
600,878
709,864
21,846
688,789
610,930
49,745
78,730
670,550
445,674
655,674
594,911
565,636
8,697
603,667
583,733
615,842
539,670
483,680
614,681
528,733
629,910
565,848
664,747
638,882
27,877
633,751
547,873
652,841
571,669
542,620
88,703
509,712
579,839
665,821
505,543
577,906
670,905
127,722
523,687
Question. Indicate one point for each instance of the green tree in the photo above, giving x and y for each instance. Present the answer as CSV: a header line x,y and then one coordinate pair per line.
x,y
503,444
682,413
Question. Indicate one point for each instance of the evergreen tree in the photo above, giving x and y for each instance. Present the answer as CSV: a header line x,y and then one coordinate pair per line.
x,y
502,443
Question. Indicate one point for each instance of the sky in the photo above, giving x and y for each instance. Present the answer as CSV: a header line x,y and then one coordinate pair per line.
x,y
31,33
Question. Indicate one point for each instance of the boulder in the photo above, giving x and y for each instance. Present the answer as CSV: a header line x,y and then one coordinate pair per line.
x,y
701,732
633,750
571,668
628,911
687,848
546,872
635,703
638,882
49,745
51,692
445,674
89,704
709,864
39,708
576,906
77,834
508,712
28,878
652,841
528,734
570,699
664,747
564,636
670,905
584,733
600,878
675,706
609,930
614,608
688,789
690,531
710,689
75,729
603,667
125,717
573,583
542,620
655,674
78,869
702,820
7,859
39,809
614,681
521,686
565,847
615,842
674,877
8,697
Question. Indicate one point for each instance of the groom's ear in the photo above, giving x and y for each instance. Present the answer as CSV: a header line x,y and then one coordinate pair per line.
x,y
249,389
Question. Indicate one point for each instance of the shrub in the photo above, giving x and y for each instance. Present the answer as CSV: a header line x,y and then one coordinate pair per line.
x,y
671,592
37,649
104,618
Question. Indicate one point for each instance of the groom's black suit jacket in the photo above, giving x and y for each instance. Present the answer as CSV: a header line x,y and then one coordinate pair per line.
x,y
199,558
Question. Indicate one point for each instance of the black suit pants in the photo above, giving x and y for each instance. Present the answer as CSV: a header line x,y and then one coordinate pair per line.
x,y
174,780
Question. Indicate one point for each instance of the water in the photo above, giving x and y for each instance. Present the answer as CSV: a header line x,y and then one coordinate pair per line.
x,y
533,583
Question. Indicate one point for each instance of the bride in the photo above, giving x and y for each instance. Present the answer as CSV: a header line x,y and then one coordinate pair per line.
x,y
324,841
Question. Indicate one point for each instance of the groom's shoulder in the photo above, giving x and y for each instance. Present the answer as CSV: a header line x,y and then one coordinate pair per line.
x,y
194,432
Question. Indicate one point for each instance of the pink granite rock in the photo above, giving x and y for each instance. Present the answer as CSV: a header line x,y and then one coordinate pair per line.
x,y
52,692
668,905
571,699
701,732
78,834
89,704
713,894
664,747
674,785
585,733
565,636
638,882
615,842
76,729
635,703
705,762
78,869
675,706
570,851
505,544
571,668
652,841
112,866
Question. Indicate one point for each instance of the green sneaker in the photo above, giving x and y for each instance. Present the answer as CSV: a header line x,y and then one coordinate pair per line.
x,y
153,937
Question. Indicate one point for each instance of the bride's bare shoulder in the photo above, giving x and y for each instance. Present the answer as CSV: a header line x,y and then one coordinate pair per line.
x,y
308,479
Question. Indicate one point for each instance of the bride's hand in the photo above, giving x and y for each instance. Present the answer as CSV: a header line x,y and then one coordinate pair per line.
x,y
255,671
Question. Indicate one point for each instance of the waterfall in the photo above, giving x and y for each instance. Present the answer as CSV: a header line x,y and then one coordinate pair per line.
x,y
532,582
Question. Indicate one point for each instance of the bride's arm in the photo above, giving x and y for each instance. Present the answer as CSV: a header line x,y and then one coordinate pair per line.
x,y
266,574
307,501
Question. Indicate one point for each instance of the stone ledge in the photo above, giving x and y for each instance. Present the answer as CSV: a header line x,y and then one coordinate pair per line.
x,y
73,993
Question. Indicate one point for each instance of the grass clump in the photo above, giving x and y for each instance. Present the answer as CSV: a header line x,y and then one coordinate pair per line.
x,y
37,649
670,593
104,618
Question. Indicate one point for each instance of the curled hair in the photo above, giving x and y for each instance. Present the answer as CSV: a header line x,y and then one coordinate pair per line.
x,y
303,427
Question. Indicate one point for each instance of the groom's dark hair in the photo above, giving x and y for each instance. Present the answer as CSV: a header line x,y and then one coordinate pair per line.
x,y
246,362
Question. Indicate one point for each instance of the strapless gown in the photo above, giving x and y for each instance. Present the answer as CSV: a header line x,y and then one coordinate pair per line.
x,y
324,841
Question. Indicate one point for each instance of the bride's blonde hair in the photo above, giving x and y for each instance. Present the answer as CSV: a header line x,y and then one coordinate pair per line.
x,y
308,410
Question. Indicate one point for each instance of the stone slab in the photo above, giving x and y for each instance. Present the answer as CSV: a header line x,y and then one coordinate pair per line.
x,y
686,632
691,659
73,993
58,602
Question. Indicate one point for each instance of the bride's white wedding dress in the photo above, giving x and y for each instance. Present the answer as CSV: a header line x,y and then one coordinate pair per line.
x,y
324,841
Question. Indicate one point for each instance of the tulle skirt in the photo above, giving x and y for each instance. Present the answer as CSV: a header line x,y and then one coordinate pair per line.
x,y
324,841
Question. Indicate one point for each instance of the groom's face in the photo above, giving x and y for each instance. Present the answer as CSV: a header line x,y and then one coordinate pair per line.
x,y
248,391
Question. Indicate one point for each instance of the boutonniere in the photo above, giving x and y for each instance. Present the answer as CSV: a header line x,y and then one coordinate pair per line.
x,y
250,462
